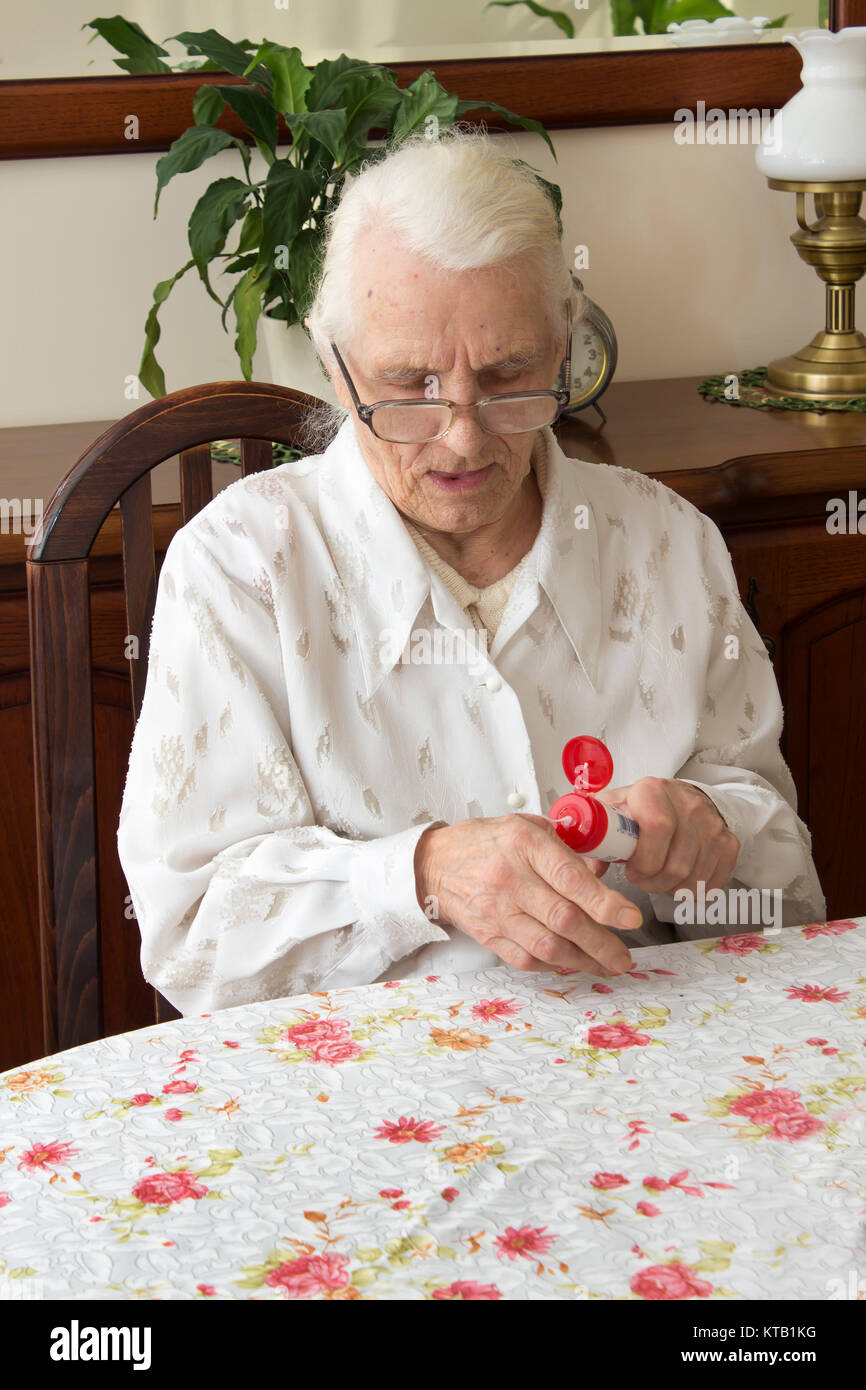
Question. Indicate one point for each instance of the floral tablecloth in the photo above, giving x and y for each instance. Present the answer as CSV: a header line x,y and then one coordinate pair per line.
x,y
691,1130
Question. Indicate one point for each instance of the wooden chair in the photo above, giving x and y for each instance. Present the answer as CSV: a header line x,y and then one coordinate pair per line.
x,y
116,468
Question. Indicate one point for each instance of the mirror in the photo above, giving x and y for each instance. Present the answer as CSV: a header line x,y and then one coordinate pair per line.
x,y
47,41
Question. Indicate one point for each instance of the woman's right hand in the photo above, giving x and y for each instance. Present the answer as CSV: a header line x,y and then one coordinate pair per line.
x,y
511,884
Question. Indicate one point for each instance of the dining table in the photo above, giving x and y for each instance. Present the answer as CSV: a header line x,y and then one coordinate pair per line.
x,y
692,1129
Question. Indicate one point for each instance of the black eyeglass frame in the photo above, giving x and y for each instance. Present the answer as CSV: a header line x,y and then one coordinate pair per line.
x,y
562,395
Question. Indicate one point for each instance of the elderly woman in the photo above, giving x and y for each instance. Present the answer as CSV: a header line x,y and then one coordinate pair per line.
x,y
364,666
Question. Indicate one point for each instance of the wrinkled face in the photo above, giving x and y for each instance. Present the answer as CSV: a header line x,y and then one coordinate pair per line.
x,y
479,333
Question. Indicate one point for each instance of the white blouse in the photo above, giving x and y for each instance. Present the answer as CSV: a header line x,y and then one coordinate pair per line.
x,y
316,697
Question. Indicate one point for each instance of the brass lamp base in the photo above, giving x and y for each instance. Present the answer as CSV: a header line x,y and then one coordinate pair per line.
x,y
833,364
830,366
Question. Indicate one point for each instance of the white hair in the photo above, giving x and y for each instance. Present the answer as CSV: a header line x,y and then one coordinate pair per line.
x,y
460,201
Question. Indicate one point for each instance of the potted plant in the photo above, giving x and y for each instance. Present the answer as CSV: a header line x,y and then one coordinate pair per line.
x,y
329,112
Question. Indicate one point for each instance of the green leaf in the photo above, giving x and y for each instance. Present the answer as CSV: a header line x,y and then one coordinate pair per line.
x,y
240,263
369,1254
189,151
223,1155
625,13
328,127
711,1266
717,1247
423,98
290,77
667,12
362,1278
303,262
213,216
251,231
289,193
561,20
128,37
445,1252
150,373
332,76
247,307
225,55
207,105
255,110
508,1168
525,121
369,101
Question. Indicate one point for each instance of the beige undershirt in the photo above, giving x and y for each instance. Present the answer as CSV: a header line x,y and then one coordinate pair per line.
x,y
484,607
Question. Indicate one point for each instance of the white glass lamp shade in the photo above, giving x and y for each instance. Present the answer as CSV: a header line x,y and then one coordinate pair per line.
x,y
821,133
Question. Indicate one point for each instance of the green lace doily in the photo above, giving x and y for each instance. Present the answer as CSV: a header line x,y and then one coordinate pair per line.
x,y
752,393
229,451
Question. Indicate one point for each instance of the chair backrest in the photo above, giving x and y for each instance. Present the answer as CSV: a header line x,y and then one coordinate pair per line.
x,y
116,468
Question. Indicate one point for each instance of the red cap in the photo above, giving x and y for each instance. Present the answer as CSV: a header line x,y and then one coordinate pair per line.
x,y
587,763
588,821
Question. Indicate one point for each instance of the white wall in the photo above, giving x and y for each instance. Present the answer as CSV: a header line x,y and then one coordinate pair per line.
x,y
689,254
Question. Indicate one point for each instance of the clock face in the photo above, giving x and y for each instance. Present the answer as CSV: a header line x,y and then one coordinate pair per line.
x,y
593,354
589,362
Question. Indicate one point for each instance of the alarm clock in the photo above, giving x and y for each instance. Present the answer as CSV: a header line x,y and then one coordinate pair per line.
x,y
593,356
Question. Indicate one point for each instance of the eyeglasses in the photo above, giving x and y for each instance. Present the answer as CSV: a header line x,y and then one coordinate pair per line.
x,y
419,422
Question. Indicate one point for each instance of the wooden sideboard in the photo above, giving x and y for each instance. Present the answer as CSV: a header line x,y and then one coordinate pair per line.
x,y
764,477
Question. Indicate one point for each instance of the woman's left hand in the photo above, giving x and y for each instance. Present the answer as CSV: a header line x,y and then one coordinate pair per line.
x,y
682,838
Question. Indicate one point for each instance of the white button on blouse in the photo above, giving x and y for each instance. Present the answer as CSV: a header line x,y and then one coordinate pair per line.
x,y
307,715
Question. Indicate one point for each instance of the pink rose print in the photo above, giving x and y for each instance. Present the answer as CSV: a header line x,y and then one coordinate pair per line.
x,y
207,1289
318,1030
525,1242
161,1189
739,945
174,1114
616,1036
178,1088
310,1275
656,1184
141,1099
810,994
467,1289
5,1199
605,1182
401,1206
392,1193
393,984
678,1115
226,1043
404,1131
669,1281
817,1042
762,1107
496,1008
602,989
797,1125
43,1155
829,928
647,1209
449,1193
335,1050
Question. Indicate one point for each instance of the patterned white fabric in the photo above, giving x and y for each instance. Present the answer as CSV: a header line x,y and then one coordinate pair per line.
x,y
296,738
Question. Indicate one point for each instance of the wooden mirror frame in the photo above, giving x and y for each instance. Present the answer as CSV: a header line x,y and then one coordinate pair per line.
x,y
47,117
